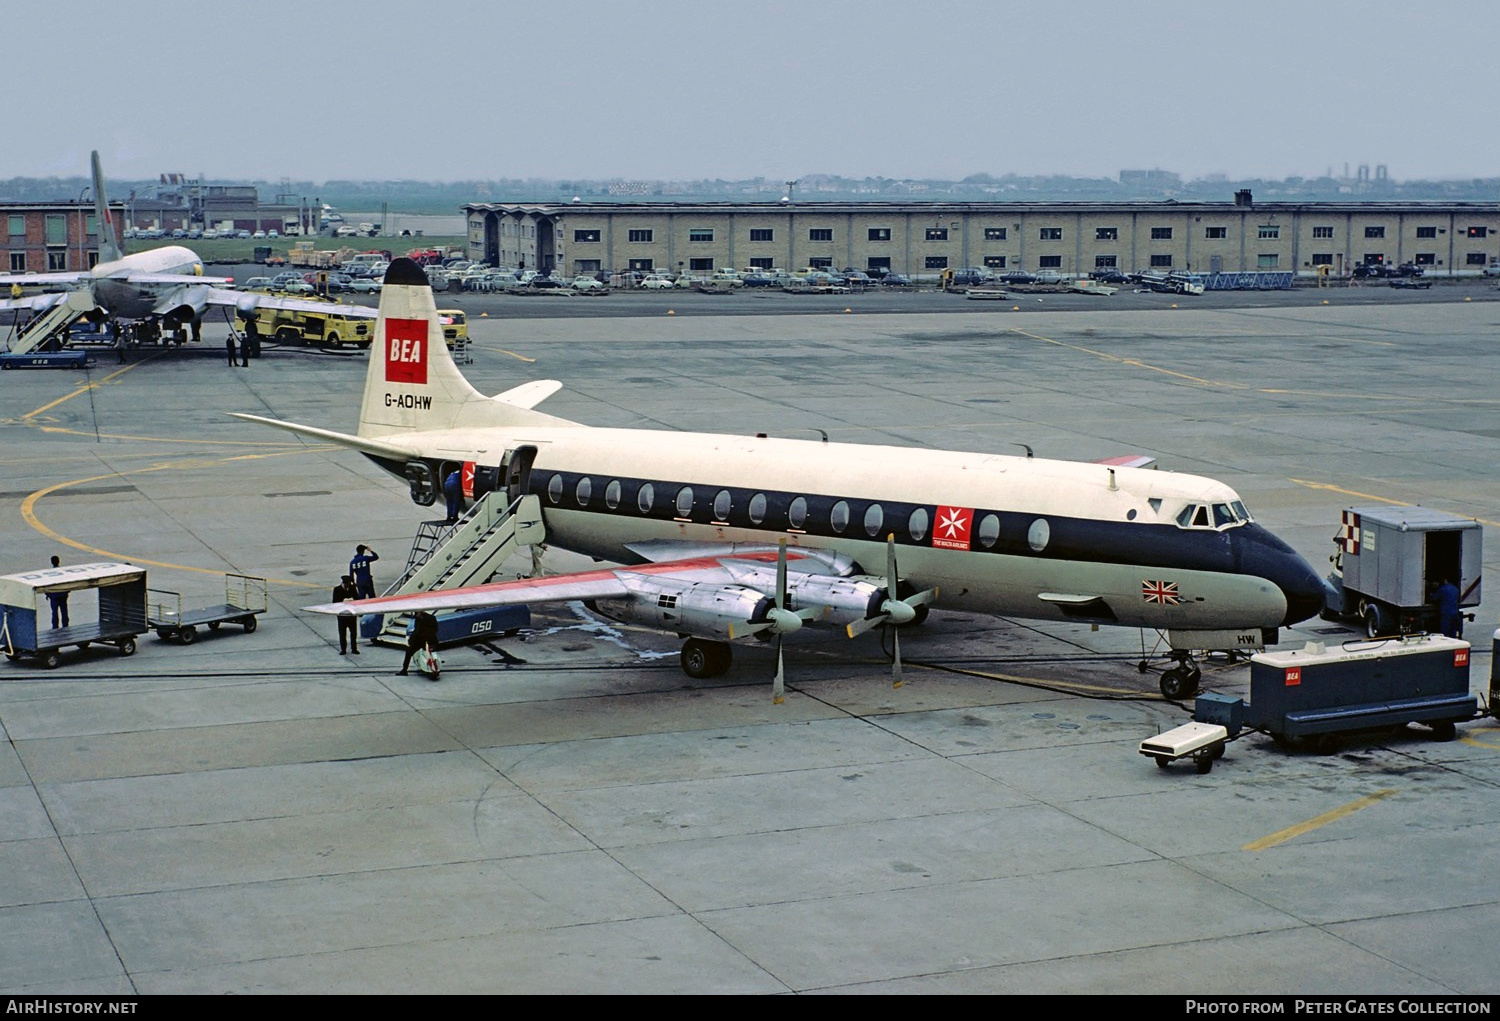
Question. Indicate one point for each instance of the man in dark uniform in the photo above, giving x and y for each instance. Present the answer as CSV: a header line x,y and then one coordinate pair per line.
x,y
58,602
453,493
1450,622
359,569
348,630
229,346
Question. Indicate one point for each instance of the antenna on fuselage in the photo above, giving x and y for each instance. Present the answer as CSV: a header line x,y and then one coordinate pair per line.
x,y
1025,448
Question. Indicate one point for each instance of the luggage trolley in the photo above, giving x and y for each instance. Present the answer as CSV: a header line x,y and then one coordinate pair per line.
x,y
122,610
244,597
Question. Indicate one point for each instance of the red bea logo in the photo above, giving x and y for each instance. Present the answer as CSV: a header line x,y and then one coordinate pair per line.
x,y
406,351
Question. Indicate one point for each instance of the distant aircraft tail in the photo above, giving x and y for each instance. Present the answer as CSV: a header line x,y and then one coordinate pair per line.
x,y
412,384
109,239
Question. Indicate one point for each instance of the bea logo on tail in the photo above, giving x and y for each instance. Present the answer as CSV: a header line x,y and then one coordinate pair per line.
x,y
406,351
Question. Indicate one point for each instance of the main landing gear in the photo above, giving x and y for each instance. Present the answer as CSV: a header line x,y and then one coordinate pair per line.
x,y
703,658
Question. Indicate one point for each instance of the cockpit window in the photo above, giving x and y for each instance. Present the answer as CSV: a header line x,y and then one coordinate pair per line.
x,y
1216,516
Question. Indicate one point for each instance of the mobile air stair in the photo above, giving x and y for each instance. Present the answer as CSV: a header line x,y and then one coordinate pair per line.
x,y
468,553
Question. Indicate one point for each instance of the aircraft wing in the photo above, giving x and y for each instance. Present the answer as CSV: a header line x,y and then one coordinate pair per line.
x,y
246,301
1128,461
605,583
185,279
32,302
41,279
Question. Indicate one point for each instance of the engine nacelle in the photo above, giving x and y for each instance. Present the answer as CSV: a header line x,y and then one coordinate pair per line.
x,y
839,601
689,608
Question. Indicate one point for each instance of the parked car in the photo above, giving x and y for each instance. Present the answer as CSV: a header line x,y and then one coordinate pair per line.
x,y
1108,276
365,285
657,282
971,276
895,280
256,284
585,283
1492,270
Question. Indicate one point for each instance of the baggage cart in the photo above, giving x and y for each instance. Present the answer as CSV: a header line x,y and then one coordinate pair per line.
x,y
121,618
244,597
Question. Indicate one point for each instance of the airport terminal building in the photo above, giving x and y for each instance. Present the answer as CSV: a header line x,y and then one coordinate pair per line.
x,y
922,239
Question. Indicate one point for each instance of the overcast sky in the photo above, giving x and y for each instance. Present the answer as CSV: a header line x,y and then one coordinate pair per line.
x,y
681,89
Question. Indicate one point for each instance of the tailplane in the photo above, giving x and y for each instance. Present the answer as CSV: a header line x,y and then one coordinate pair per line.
x,y
412,383
109,242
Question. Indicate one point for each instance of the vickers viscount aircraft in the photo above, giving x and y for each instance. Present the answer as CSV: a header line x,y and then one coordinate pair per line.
x,y
726,537
165,282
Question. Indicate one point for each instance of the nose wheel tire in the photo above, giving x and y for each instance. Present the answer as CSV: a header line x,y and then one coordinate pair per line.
x,y
701,659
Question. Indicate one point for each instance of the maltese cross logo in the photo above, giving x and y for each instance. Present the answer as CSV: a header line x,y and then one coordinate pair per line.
x,y
952,531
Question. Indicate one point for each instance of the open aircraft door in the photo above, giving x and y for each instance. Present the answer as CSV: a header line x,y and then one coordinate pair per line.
x,y
516,470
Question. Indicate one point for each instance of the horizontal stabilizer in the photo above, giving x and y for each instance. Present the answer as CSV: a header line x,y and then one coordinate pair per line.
x,y
1128,461
362,443
529,395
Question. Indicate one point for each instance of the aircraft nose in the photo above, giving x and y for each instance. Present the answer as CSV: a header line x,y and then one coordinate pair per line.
x,y
1305,593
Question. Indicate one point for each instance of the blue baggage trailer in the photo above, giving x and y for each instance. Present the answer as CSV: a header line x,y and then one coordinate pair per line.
x,y
25,630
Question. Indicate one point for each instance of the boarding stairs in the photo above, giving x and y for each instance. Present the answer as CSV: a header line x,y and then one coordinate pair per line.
x,y
461,354
37,332
447,556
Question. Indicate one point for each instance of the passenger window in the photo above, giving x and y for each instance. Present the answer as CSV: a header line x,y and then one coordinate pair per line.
x,y
796,514
989,531
583,491
685,502
555,488
758,508
723,503
612,494
916,525
874,519
839,516
646,497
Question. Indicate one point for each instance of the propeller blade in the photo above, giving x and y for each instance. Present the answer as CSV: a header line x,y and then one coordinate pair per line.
x,y
896,679
778,688
781,575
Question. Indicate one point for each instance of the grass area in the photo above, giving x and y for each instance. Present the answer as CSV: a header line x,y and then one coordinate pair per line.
x,y
239,250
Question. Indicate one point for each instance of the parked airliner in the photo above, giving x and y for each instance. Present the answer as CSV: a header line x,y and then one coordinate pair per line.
x,y
727,536
165,282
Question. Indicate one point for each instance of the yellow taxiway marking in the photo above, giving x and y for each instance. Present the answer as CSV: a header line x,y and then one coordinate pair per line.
x,y
514,355
1317,822
1135,362
28,513
83,388
1371,496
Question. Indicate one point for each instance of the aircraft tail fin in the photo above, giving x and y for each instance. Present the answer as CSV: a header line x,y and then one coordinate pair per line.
x,y
109,240
412,383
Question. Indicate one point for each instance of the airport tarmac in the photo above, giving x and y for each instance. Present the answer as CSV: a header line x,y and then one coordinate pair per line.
x,y
256,813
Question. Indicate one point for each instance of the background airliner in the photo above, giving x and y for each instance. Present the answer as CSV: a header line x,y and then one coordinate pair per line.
x,y
701,519
165,282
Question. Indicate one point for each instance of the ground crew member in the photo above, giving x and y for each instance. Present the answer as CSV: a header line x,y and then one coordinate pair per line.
x,y
1450,622
348,630
229,346
359,569
58,601
423,636
453,492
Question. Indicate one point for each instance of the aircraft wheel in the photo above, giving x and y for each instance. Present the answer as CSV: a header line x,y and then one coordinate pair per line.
x,y
1177,684
49,659
701,659
1443,730
188,635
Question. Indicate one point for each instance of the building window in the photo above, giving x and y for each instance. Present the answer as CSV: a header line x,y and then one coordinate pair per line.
x,y
1474,232
701,234
880,234
701,265
880,262
937,262
1216,233
1267,261
1426,258
1322,259
820,262
643,265
1161,234
581,237
994,233
57,229
1161,261
1106,233
646,236
1474,259
994,261
17,225
588,265
820,233
1426,233
1106,261
1050,234
937,234
57,261
762,234
1050,262
1374,258
762,263
1268,232
1325,233
1374,232
18,262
